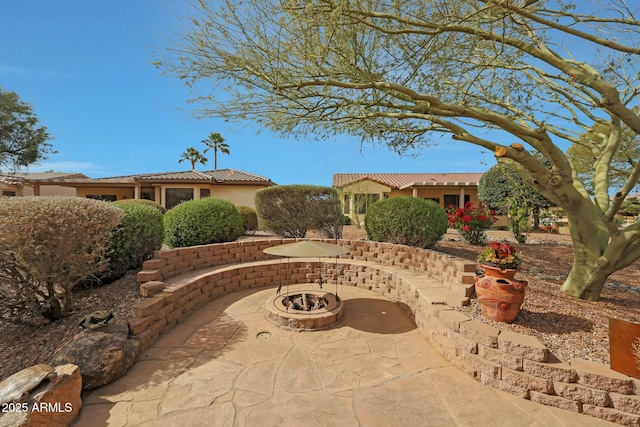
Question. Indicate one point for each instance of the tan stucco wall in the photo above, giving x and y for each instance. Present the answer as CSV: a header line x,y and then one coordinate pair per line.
x,y
7,187
240,195
121,193
50,190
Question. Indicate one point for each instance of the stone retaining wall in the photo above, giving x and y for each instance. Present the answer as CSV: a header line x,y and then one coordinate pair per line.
x,y
521,365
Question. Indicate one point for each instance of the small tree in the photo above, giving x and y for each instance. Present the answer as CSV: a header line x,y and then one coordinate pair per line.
x,y
193,156
22,141
291,210
216,142
47,246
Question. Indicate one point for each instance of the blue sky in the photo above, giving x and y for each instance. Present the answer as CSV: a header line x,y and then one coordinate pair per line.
x,y
85,67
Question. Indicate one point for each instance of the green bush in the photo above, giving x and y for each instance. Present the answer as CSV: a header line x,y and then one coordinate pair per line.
x,y
47,246
249,219
291,210
139,235
203,221
406,220
145,202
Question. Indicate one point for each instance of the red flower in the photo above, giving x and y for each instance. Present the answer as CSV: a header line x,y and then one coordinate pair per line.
x,y
467,218
465,228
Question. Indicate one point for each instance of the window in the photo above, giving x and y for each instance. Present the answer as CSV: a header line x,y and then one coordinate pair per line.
x,y
174,196
6,193
205,192
363,201
433,199
454,199
105,197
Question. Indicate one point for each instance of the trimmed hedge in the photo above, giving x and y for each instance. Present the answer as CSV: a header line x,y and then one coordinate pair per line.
x,y
203,221
47,246
249,219
406,220
145,202
141,233
291,210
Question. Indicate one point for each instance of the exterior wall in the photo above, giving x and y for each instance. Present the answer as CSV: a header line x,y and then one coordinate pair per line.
x,y
514,363
17,189
50,190
371,187
240,195
120,192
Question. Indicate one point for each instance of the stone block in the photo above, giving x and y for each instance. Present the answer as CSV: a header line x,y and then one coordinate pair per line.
x,y
63,393
555,401
599,376
506,387
452,319
626,403
462,343
552,369
521,345
501,358
154,264
612,415
149,289
148,275
581,393
483,366
139,324
147,307
484,334
522,380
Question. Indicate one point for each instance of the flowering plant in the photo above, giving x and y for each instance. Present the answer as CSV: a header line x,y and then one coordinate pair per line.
x,y
471,221
502,255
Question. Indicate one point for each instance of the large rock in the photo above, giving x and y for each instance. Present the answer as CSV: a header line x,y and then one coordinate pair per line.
x,y
55,402
102,354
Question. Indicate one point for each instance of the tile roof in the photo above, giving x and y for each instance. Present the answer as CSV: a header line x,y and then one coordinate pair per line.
x,y
407,180
17,178
220,176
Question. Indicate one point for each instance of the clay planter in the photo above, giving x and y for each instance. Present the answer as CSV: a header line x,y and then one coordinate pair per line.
x,y
499,294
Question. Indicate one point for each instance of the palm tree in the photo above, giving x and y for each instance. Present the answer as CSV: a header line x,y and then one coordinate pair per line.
x,y
192,155
216,141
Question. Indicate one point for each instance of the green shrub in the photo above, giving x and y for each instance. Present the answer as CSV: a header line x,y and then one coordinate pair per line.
x,y
249,219
145,202
291,210
346,220
140,234
47,246
406,220
203,221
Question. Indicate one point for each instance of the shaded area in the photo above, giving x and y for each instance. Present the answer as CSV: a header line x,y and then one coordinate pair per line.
x,y
376,316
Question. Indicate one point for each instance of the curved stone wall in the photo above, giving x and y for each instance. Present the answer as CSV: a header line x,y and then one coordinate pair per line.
x,y
427,282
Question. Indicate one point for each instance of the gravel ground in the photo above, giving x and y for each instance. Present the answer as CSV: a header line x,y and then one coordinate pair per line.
x,y
568,326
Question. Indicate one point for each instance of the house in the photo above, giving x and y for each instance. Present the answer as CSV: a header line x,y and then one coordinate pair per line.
x,y
359,190
20,184
166,188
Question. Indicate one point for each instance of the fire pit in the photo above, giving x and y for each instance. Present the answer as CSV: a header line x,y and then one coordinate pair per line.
x,y
305,309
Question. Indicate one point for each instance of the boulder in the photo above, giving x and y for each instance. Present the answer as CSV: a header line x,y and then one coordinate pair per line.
x,y
55,402
102,354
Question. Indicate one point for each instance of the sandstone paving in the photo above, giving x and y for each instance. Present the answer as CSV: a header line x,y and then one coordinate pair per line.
x,y
226,365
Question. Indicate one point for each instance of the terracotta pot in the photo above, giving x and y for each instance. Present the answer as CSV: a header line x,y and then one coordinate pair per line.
x,y
500,298
493,271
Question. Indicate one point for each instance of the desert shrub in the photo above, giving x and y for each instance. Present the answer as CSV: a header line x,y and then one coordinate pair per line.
x,y
249,219
203,221
346,220
406,220
139,235
291,210
145,202
47,246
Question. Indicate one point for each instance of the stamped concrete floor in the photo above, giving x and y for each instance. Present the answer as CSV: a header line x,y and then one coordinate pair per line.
x,y
226,365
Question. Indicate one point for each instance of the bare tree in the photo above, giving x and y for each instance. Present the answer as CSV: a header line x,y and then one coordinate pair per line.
x,y
516,77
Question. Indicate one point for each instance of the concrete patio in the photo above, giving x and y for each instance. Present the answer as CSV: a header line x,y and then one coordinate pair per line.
x,y
226,365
